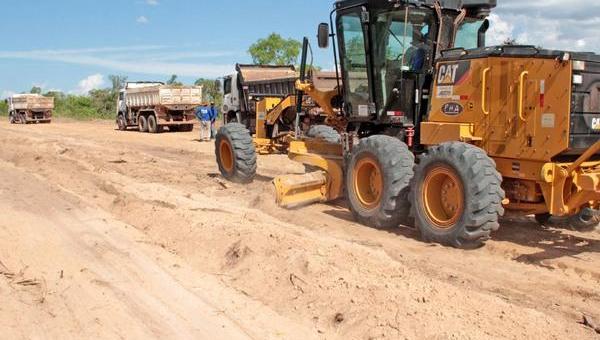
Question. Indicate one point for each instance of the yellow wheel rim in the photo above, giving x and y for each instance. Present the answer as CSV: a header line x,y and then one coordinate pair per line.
x,y
226,153
443,197
368,183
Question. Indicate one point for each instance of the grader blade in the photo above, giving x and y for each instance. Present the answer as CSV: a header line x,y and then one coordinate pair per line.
x,y
320,186
299,190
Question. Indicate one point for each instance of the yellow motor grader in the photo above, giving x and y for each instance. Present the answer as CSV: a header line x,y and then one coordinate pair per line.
x,y
443,132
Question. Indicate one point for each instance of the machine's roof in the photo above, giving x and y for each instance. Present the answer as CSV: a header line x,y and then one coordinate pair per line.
x,y
517,51
451,4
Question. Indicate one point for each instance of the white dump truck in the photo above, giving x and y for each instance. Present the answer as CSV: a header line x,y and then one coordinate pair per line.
x,y
30,108
152,106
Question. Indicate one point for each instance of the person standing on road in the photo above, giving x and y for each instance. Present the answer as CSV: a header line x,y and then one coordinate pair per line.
x,y
214,115
204,115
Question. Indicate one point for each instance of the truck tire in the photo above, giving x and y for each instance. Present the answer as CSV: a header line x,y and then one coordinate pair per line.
x,y
324,132
377,181
11,118
236,154
143,123
153,126
457,195
23,118
121,123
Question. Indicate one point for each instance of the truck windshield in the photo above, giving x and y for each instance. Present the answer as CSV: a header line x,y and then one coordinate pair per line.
x,y
466,36
403,43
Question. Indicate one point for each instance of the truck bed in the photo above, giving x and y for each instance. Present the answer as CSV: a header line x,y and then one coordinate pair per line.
x,y
32,103
164,95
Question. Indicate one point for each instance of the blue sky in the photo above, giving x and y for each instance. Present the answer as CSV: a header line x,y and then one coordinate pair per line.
x,y
73,45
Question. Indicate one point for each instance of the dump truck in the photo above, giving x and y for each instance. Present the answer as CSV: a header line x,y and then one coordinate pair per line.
x,y
249,85
443,132
30,108
152,106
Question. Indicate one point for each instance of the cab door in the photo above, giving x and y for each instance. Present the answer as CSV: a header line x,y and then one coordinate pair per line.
x,y
353,32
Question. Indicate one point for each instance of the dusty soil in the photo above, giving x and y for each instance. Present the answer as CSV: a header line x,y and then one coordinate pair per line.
x,y
110,234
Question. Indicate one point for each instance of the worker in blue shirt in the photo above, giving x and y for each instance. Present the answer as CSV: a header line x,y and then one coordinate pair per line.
x,y
204,115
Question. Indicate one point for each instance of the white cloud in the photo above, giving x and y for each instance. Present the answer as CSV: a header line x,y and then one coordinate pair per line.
x,y
554,24
500,30
156,60
152,2
142,20
95,81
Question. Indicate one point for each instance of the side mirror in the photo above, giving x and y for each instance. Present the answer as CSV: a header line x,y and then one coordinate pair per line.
x,y
323,35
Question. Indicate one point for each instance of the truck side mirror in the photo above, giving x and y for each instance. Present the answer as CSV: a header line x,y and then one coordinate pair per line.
x,y
323,35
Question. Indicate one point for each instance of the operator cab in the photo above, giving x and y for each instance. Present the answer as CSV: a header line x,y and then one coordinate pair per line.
x,y
387,52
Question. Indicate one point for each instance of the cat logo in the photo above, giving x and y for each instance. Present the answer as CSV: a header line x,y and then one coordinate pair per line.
x,y
447,74
453,73
595,123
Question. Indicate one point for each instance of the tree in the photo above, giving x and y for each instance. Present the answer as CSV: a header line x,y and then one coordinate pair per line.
x,y
211,90
173,81
36,90
3,108
118,82
275,50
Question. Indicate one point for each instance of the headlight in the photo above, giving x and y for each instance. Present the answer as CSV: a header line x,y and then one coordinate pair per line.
x,y
578,65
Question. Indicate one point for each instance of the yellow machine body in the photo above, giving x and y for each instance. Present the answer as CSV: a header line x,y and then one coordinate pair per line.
x,y
518,111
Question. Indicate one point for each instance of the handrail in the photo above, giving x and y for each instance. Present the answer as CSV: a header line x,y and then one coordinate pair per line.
x,y
521,94
484,91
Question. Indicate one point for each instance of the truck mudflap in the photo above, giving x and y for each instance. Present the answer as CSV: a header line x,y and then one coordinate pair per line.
x,y
571,187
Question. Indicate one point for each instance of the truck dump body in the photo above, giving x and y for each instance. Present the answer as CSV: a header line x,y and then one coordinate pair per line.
x,y
153,106
32,102
267,81
30,108
175,97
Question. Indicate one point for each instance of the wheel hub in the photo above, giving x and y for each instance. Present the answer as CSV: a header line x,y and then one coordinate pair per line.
x,y
443,196
368,183
226,154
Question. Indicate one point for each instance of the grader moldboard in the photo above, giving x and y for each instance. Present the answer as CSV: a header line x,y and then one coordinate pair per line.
x,y
443,131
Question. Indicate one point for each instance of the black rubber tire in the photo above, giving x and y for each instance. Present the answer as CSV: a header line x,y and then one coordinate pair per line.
x,y
143,123
543,219
121,123
240,141
23,118
396,163
11,118
153,126
324,132
483,195
585,220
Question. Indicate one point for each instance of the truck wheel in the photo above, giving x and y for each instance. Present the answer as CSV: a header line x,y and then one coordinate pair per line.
x,y
236,154
143,123
153,126
11,118
23,118
457,195
585,220
377,181
121,123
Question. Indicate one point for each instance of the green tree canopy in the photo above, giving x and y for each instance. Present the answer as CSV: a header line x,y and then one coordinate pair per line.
x,y
173,81
36,90
211,91
275,50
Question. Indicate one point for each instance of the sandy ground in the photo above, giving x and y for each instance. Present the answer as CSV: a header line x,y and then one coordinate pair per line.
x,y
108,234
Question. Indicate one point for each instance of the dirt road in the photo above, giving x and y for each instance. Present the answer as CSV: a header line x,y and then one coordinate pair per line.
x,y
109,234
